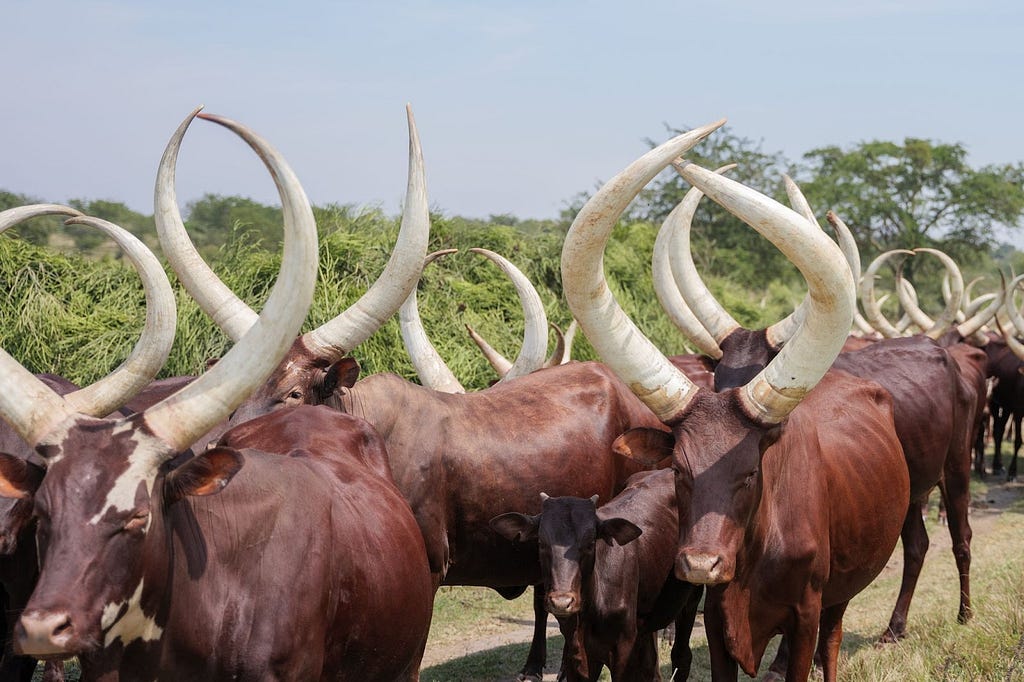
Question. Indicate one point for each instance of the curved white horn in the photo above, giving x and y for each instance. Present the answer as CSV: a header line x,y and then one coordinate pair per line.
x,y
498,362
30,407
337,337
948,316
799,366
154,345
908,299
872,309
625,349
712,316
535,322
184,416
228,312
671,243
430,367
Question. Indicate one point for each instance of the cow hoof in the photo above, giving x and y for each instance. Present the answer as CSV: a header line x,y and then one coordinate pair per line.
x,y
889,637
530,677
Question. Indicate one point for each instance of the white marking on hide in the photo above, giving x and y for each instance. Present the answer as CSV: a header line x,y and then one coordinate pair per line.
x,y
142,468
133,625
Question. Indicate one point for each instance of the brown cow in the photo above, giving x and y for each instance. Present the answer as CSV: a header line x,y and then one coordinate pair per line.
x,y
141,567
790,499
18,558
612,597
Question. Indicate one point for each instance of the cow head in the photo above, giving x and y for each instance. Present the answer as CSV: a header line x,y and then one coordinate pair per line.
x,y
105,483
717,439
108,480
567,530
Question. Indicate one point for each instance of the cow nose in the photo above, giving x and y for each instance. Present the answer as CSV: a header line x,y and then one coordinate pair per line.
x,y
43,633
562,603
701,568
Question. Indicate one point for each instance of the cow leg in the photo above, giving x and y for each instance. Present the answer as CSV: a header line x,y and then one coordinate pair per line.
x,y
979,447
723,667
999,419
830,636
682,656
533,669
635,658
915,545
802,640
1011,473
957,495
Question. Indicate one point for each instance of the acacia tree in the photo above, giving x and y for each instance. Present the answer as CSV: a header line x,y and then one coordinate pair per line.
x,y
920,193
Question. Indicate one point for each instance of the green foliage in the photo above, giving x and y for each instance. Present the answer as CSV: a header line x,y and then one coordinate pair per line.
x,y
920,193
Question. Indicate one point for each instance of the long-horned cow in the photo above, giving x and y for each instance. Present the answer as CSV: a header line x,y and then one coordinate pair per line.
x,y
145,573
792,487
18,556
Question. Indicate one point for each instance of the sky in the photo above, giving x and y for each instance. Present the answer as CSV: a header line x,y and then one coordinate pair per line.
x,y
520,105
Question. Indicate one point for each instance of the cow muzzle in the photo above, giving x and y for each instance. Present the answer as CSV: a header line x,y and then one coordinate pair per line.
x,y
561,604
703,568
44,634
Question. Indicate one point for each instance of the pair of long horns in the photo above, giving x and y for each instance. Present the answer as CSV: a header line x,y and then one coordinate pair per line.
x,y
777,389
154,344
337,337
431,368
36,412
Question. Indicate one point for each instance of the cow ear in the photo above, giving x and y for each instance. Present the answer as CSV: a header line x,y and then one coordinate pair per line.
x,y
515,526
19,478
204,474
619,530
645,445
342,373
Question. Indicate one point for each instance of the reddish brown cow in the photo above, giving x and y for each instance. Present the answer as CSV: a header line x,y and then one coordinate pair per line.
x,y
141,568
790,499
612,597
935,392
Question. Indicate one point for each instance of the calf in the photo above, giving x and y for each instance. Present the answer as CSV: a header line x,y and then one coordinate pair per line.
x,y
611,597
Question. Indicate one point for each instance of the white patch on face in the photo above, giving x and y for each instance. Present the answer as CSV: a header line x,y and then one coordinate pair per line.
x,y
132,626
142,468
56,436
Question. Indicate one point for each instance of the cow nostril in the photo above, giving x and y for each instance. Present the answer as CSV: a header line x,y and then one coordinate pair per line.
x,y
62,628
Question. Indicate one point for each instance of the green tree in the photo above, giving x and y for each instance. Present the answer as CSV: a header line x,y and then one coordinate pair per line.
x,y
920,193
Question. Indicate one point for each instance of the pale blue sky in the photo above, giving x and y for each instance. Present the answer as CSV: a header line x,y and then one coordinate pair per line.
x,y
520,105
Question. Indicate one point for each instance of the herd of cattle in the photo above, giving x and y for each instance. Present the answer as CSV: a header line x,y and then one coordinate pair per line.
x,y
276,518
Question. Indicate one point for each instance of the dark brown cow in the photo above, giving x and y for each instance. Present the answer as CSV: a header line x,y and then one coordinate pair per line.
x,y
18,558
608,573
790,499
142,567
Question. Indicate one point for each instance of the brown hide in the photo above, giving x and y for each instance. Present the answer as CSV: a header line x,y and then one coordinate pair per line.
x,y
819,513
304,566
935,419
462,459
1006,401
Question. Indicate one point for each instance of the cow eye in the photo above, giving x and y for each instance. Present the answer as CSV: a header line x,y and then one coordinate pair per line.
x,y
751,479
295,395
137,522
